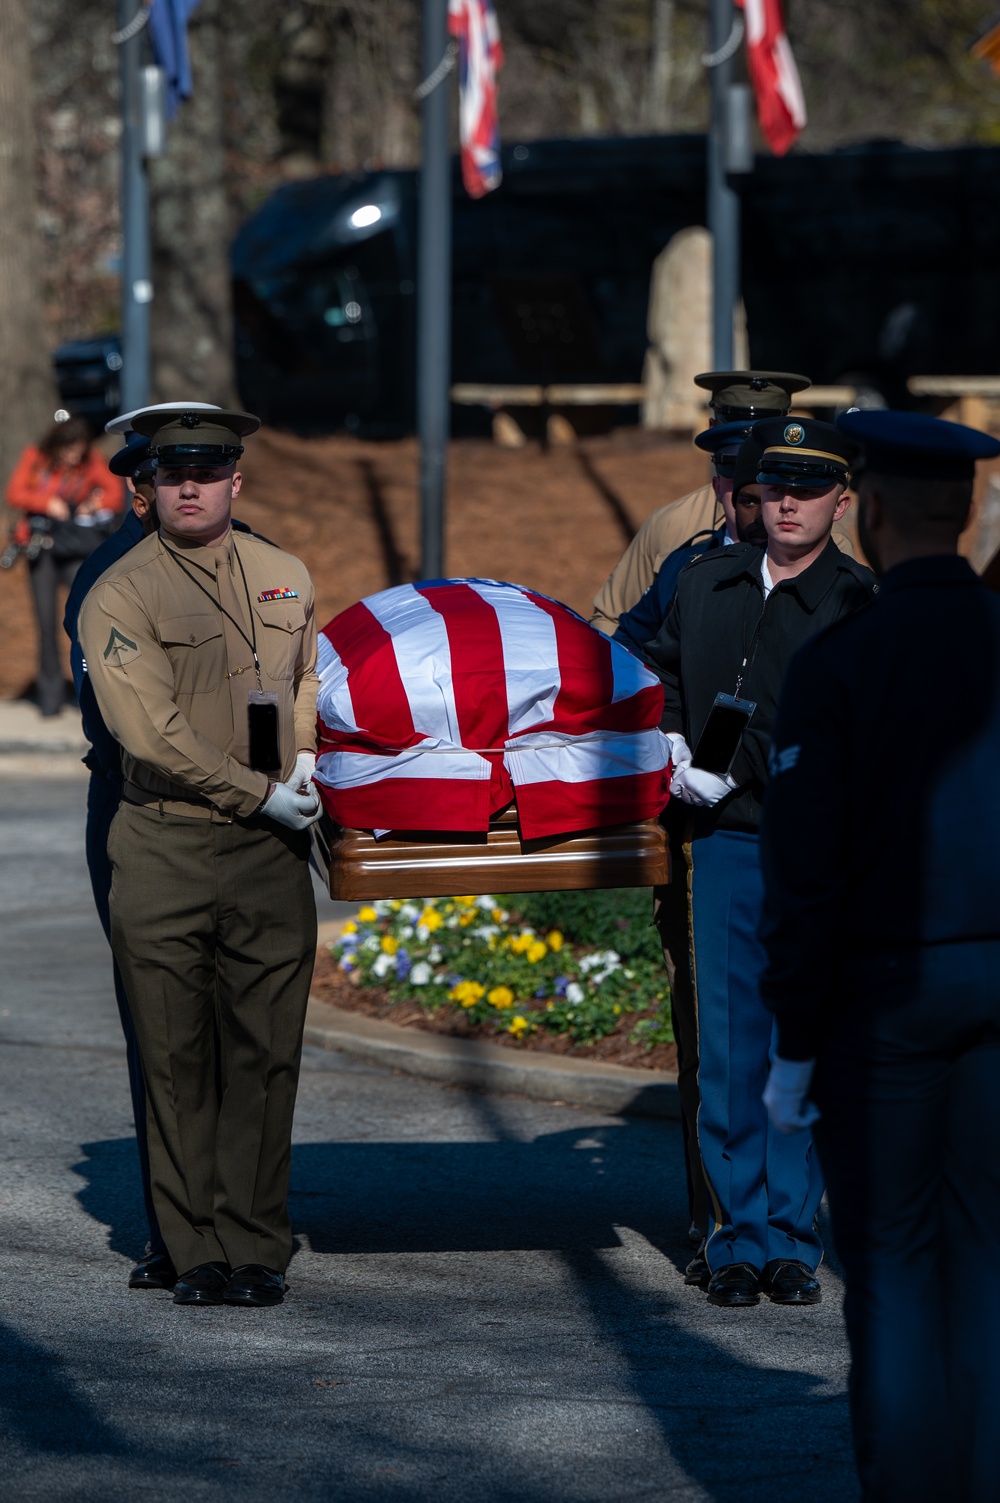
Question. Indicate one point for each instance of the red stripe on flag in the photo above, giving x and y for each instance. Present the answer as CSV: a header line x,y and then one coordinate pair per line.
x,y
554,808
373,678
479,682
410,804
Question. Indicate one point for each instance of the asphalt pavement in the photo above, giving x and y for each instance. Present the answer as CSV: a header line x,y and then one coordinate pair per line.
x,y
486,1299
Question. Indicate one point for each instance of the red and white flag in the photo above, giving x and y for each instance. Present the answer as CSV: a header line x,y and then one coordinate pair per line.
x,y
781,105
480,58
441,702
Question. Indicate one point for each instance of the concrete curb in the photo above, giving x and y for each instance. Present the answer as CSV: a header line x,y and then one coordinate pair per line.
x,y
487,1067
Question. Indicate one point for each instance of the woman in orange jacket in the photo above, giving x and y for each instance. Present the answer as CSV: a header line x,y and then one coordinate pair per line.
x,y
68,498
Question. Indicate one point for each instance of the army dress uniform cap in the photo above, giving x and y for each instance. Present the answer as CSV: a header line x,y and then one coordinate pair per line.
x,y
133,459
723,443
803,452
187,436
750,394
747,465
915,446
123,422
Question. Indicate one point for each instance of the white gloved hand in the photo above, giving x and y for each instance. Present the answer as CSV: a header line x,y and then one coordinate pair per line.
x,y
289,807
693,785
680,752
786,1094
305,766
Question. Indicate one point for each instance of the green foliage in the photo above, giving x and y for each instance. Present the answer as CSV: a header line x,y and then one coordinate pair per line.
x,y
574,968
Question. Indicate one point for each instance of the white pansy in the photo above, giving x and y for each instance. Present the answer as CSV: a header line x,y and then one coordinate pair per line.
x,y
606,960
383,965
371,942
409,912
406,932
435,954
486,903
485,931
574,992
423,932
420,974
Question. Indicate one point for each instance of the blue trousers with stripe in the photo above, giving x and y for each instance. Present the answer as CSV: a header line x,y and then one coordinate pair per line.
x,y
765,1187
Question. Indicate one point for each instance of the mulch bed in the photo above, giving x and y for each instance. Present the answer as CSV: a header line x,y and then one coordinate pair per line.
x,y
332,985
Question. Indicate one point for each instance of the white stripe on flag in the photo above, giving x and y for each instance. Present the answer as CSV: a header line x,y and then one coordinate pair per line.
x,y
420,642
530,655
348,769
630,676
585,759
334,705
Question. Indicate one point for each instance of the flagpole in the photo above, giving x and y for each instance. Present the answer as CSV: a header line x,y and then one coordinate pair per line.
x,y
723,203
434,289
136,283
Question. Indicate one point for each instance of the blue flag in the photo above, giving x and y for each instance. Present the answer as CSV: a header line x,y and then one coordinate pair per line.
x,y
168,34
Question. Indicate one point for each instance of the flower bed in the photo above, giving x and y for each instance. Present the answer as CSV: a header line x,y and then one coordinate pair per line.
x,y
500,967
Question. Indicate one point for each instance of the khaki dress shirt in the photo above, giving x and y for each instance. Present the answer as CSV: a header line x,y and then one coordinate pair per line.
x,y
669,527
172,669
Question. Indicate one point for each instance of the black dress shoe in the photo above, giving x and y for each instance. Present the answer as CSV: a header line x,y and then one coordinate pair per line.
x,y
203,1285
791,1283
154,1271
698,1273
736,1284
253,1284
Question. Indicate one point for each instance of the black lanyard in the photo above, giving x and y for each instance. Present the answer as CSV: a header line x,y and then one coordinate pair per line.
x,y
251,641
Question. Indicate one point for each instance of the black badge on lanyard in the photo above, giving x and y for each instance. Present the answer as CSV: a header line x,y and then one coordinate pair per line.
x,y
262,723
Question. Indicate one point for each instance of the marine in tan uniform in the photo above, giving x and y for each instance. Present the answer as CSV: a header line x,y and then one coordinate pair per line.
x,y
737,396
201,649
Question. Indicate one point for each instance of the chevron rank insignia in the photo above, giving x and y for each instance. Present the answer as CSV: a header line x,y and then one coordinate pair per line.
x,y
125,650
283,594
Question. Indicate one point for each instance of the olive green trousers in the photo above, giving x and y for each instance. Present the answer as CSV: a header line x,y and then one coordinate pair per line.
x,y
213,925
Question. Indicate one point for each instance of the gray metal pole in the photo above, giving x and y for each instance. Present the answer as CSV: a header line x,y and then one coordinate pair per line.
x,y
723,203
137,287
434,294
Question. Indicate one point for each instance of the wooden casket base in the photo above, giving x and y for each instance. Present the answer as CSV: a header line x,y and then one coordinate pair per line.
x,y
434,864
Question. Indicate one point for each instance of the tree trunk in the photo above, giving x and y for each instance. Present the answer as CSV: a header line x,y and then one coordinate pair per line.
x,y
27,391
192,325
661,66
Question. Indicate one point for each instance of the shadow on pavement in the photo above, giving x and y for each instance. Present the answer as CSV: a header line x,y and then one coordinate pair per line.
x,y
738,1428
39,1406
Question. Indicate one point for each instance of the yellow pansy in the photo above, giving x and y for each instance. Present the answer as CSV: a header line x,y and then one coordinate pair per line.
x,y
536,950
350,927
367,914
466,993
554,940
501,997
389,945
465,902
522,943
616,1009
517,1026
431,919
467,919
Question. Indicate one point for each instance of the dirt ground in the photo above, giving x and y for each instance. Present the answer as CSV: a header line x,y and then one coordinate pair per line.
x,y
330,984
554,519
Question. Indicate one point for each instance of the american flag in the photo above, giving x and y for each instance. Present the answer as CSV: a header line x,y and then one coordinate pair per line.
x,y
480,58
441,702
781,105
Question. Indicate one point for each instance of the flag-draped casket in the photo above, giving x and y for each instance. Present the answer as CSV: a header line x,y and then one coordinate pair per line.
x,y
439,703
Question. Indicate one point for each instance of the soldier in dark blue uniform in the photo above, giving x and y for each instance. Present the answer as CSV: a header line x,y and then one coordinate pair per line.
x,y
738,616
735,458
881,851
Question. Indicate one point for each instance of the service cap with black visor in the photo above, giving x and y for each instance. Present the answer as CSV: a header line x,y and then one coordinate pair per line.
x,y
746,396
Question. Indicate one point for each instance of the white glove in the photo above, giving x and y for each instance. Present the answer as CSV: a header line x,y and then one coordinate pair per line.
x,y
786,1094
289,807
693,785
680,752
305,766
